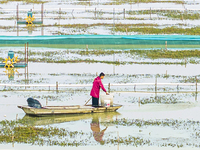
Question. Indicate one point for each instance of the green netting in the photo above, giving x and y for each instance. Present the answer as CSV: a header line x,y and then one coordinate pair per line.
x,y
104,41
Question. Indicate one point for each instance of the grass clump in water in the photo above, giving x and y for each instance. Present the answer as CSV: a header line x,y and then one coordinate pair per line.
x,y
27,1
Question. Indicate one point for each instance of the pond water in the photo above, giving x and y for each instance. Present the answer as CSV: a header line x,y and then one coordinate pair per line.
x,y
177,110
184,111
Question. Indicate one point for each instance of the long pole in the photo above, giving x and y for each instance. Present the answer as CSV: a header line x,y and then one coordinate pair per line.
x,y
156,88
27,63
196,90
108,87
56,86
17,12
124,13
17,20
25,53
113,18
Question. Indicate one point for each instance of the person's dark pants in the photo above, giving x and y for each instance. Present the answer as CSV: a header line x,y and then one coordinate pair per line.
x,y
95,102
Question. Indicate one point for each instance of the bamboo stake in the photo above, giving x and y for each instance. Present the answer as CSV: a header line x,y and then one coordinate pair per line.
x,y
25,53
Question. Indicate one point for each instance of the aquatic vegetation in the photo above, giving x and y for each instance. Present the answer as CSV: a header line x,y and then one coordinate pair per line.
x,y
176,14
27,1
155,54
119,2
20,132
168,99
98,61
166,30
185,56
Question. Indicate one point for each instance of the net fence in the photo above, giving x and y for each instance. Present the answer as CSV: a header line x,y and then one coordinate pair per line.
x,y
104,41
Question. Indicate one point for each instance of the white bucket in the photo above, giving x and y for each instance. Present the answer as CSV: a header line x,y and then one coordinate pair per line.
x,y
104,97
107,103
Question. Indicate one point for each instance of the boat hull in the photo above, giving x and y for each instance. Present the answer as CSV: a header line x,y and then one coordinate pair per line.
x,y
59,110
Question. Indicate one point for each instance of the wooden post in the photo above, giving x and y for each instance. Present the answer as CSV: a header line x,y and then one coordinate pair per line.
x,y
156,85
196,85
42,12
42,30
86,47
95,13
118,140
156,88
12,138
25,76
196,90
17,12
108,87
177,88
139,102
150,13
59,15
56,86
72,14
124,13
113,17
46,101
17,30
16,116
166,45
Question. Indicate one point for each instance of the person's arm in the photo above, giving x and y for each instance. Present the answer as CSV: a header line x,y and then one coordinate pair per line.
x,y
102,87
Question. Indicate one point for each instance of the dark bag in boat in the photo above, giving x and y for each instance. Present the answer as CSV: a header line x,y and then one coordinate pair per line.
x,y
33,103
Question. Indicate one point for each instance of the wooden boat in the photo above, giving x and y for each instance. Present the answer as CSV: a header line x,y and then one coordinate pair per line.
x,y
73,109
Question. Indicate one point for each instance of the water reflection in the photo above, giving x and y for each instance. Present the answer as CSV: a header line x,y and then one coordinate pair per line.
x,y
97,132
55,119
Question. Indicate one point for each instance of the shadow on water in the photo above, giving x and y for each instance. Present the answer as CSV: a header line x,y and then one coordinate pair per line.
x,y
54,119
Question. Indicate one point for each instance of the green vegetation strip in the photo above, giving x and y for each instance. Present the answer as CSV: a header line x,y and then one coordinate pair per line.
x,y
178,124
191,15
152,54
120,2
152,30
182,55
46,60
27,1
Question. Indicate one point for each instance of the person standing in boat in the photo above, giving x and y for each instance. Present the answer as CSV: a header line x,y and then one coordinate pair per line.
x,y
97,84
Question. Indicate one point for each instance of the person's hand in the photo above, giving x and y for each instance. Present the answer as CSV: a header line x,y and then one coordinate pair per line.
x,y
107,93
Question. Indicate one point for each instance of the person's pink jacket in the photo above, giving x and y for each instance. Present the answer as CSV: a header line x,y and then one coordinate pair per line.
x,y
97,84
